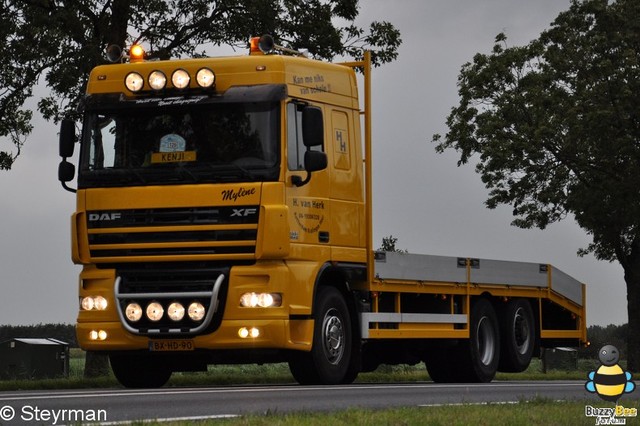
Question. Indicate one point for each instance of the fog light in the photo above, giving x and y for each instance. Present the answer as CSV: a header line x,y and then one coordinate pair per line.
x,y
133,312
175,311
252,332
196,311
155,311
98,335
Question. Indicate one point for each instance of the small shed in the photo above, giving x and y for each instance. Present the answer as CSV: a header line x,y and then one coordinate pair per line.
x,y
29,358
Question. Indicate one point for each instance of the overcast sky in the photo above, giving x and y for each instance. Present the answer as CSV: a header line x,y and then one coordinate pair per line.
x,y
422,198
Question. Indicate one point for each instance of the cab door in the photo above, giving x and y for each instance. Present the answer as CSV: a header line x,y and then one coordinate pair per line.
x,y
308,200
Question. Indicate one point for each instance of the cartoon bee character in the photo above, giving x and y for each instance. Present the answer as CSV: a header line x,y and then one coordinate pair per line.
x,y
609,381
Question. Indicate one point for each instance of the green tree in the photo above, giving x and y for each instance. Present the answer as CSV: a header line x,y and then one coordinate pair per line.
x,y
555,126
59,41
389,244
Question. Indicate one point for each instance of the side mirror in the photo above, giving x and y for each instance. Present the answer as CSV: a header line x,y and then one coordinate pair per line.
x,y
67,138
312,127
313,161
66,171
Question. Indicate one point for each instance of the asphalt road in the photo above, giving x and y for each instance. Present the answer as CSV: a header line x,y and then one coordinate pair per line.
x,y
116,405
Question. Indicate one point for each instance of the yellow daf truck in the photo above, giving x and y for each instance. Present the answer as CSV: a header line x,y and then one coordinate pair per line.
x,y
223,215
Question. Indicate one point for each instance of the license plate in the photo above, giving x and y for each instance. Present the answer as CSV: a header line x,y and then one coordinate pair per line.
x,y
170,345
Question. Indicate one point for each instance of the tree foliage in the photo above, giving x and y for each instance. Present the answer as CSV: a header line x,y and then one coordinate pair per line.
x,y
59,41
389,244
555,127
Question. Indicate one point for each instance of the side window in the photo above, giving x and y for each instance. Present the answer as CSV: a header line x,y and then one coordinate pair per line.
x,y
295,145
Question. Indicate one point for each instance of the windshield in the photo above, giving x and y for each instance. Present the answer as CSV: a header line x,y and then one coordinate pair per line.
x,y
222,142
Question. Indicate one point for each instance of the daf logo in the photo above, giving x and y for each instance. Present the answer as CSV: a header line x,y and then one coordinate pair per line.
x,y
243,212
95,217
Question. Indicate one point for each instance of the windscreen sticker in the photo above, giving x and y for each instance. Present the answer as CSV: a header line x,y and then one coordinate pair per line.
x,y
172,143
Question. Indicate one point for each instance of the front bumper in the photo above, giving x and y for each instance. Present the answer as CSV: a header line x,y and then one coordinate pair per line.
x,y
274,334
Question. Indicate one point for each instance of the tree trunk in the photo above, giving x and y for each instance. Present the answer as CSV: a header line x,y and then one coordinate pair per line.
x,y
632,278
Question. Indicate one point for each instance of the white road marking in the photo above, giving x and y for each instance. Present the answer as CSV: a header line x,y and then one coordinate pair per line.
x,y
193,391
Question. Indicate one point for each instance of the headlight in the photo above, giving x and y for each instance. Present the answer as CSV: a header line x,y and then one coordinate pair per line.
x,y
155,311
87,303
100,303
262,300
134,82
133,312
205,78
180,79
90,303
196,311
175,311
157,80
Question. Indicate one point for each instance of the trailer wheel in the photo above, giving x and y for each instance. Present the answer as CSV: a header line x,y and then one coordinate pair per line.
x,y
518,336
139,371
478,356
329,360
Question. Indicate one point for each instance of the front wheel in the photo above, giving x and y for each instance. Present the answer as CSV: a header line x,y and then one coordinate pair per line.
x,y
139,370
329,360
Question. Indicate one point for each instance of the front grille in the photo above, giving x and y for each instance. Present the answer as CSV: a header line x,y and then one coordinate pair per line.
x,y
207,232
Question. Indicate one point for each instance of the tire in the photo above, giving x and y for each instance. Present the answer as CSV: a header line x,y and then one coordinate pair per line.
x,y
139,371
518,336
478,357
329,361
441,363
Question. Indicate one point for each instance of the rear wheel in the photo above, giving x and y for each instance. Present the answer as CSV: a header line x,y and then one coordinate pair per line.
x,y
480,354
471,360
139,370
518,336
329,360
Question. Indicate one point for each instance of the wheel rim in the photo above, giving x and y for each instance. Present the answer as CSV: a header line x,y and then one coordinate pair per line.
x,y
486,341
521,332
333,336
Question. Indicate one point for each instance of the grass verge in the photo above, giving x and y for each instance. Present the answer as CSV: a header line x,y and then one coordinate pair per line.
x,y
279,374
538,412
